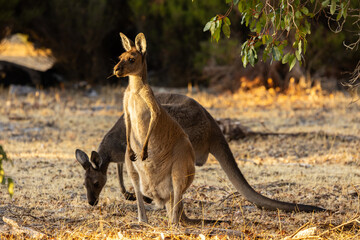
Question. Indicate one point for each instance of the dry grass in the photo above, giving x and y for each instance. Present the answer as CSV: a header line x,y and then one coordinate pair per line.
x,y
320,166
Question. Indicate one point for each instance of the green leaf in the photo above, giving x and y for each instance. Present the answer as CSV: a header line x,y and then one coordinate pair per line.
x,y
240,7
333,6
340,14
247,19
243,18
299,47
287,23
286,58
10,187
243,47
212,28
226,30
264,38
258,44
3,155
254,51
325,3
228,1
218,23
276,53
307,27
298,56
258,27
227,21
2,176
282,24
342,11
217,34
244,60
297,14
207,26
269,39
236,2
305,11
292,62
345,13
251,58
252,25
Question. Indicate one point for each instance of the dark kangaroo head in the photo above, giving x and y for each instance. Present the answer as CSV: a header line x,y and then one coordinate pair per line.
x,y
132,61
95,176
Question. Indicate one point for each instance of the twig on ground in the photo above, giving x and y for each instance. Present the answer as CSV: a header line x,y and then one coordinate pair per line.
x,y
298,230
19,230
355,219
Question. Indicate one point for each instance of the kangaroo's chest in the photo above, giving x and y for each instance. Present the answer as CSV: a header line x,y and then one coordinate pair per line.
x,y
139,114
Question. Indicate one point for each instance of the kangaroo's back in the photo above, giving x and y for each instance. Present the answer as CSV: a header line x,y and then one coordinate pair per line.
x,y
113,145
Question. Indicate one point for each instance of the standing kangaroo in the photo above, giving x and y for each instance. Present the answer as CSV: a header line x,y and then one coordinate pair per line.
x,y
205,136
159,156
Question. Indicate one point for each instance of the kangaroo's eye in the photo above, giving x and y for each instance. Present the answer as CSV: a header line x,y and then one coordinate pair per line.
x,y
131,60
96,184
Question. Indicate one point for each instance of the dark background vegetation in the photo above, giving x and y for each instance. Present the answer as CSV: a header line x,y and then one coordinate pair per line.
x,y
83,37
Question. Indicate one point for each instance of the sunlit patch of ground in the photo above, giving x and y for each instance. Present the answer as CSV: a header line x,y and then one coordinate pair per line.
x,y
319,165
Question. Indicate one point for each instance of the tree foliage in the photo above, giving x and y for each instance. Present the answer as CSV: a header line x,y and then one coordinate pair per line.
x,y
83,35
4,180
272,22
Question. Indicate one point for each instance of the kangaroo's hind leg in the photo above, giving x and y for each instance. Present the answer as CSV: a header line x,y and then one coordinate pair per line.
x,y
183,172
126,194
136,184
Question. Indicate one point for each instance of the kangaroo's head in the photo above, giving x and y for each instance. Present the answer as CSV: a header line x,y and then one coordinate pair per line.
x,y
133,60
95,176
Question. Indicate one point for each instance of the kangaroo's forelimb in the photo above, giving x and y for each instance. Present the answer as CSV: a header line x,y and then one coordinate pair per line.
x,y
154,116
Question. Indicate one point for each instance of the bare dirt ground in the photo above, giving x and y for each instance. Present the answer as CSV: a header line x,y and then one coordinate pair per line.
x,y
319,164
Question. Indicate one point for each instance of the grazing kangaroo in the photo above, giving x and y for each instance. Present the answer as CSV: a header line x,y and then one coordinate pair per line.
x,y
205,136
159,156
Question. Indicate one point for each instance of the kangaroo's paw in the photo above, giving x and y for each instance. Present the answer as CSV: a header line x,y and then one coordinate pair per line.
x,y
132,155
144,156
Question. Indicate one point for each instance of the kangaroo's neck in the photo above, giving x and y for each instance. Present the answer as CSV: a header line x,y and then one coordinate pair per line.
x,y
105,161
137,81
104,167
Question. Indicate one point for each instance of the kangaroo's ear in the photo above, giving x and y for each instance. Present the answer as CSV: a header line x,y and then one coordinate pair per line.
x,y
96,159
127,43
140,43
83,159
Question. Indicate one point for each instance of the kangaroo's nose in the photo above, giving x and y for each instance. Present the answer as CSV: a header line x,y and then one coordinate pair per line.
x,y
117,70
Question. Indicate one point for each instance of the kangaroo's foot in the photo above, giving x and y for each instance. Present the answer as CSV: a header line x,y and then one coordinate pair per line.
x,y
131,197
147,200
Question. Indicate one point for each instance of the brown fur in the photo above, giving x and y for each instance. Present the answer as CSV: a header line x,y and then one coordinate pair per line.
x,y
205,136
161,160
